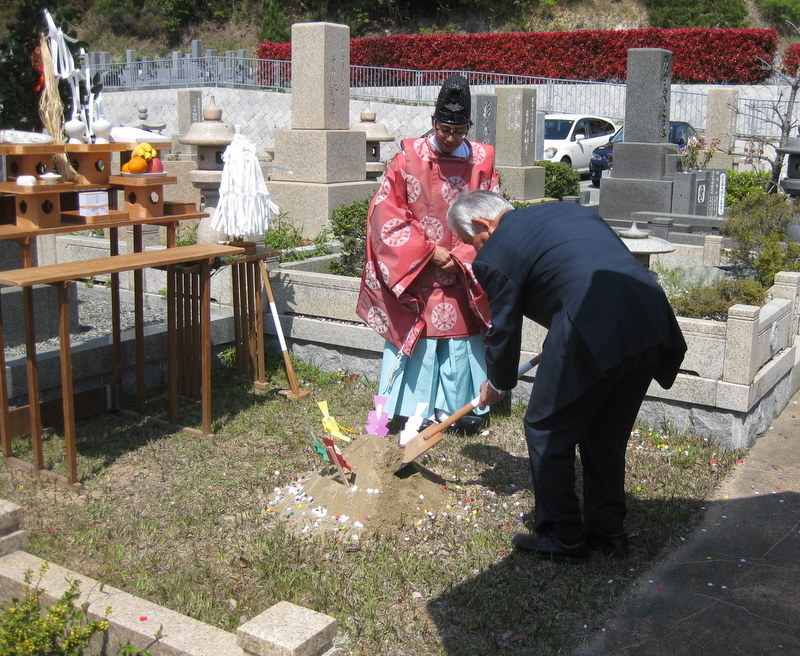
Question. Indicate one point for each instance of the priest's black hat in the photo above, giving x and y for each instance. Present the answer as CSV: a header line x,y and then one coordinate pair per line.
x,y
453,104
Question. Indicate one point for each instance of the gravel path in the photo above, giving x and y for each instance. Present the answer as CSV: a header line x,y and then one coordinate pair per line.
x,y
94,319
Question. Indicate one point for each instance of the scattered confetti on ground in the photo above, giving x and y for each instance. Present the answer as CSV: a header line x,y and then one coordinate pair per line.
x,y
376,500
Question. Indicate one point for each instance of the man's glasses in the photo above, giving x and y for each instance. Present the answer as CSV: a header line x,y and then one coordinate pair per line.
x,y
449,132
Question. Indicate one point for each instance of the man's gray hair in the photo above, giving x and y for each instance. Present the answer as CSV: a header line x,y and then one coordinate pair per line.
x,y
475,204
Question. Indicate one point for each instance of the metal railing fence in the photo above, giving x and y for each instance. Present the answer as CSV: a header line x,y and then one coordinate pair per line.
x,y
755,114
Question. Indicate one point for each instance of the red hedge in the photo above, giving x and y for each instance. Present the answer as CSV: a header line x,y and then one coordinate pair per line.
x,y
791,59
700,55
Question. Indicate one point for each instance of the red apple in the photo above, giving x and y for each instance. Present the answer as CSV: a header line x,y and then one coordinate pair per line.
x,y
155,165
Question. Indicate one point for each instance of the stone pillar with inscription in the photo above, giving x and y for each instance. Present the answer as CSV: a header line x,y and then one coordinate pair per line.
x,y
320,162
515,148
484,118
641,179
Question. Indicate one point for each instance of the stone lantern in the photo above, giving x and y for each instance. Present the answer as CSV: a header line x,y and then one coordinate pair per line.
x,y
375,132
211,137
143,123
791,183
642,245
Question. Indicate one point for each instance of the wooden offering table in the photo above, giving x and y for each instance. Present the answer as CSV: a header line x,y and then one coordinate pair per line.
x,y
46,208
60,275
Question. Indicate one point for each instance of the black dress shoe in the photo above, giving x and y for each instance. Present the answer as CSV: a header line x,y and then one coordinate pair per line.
x,y
550,547
615,544
395,424
468,425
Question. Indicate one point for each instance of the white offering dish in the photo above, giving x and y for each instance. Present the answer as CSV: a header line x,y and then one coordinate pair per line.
x,y
50,178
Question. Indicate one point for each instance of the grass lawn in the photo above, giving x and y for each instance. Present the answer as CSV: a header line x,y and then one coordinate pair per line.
x,y
192,524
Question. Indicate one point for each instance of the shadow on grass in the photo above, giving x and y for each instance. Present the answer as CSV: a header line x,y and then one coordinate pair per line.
x,y
504,472
712,585
103,438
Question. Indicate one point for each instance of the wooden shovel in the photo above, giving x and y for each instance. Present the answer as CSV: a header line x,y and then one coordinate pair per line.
x,y
432,435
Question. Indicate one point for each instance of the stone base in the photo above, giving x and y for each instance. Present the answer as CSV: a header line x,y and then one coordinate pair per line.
x,y
522,182
321,156
641,161
183,190
620,197
731,430
690,192
309,205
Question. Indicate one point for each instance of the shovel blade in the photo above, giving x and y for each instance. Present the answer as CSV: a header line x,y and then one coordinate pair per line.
x,y
418,445
432,435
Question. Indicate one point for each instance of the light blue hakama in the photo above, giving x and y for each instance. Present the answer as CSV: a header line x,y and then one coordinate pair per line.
x,y
446,374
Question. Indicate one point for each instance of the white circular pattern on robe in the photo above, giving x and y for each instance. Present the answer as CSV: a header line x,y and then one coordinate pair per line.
x,y
377,320
478,153
370,279
444,316
395,232
486,185
413,187
384,272
434,230
398,289
446,278
452,187
383,191
421,148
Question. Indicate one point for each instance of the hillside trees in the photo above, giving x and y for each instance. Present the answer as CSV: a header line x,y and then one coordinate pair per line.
x,y
782,13
21,71
697,13
172,21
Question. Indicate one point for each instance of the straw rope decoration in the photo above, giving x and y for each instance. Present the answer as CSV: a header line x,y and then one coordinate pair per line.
x,y
51,111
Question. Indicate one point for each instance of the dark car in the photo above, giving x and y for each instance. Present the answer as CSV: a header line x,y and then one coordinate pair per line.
x,y
679,133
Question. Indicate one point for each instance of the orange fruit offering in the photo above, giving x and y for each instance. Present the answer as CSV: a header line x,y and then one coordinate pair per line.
x,y
137,165
125,168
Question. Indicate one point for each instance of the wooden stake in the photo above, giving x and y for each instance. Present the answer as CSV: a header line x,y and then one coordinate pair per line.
x,y
295,392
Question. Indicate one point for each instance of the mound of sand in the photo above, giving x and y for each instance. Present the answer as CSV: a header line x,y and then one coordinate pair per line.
x,y
376,500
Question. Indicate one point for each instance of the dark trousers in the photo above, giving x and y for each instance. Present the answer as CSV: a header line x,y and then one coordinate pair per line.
x,y
599,424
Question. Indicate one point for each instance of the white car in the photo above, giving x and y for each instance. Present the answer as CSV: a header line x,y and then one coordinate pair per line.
x,y
571,138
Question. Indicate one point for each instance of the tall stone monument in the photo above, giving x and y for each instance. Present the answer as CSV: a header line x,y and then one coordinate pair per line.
x,y
319,163
516,144
642,174
721,125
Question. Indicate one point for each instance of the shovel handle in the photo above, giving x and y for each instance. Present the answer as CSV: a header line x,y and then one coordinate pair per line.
x,y
433,429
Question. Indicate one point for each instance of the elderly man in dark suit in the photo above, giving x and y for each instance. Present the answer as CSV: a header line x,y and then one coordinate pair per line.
x,y
610,332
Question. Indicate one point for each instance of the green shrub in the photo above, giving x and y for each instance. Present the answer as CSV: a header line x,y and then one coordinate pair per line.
x,y
27,628
758,224
778,12
283,235
741,183
696,13
349,227
713,302
560,179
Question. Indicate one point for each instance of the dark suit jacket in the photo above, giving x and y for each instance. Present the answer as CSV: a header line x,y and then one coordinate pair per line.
x,y
561,265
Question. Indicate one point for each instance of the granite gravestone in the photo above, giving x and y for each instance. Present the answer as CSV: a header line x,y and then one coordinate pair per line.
x,y
638,179
517,143
320,163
